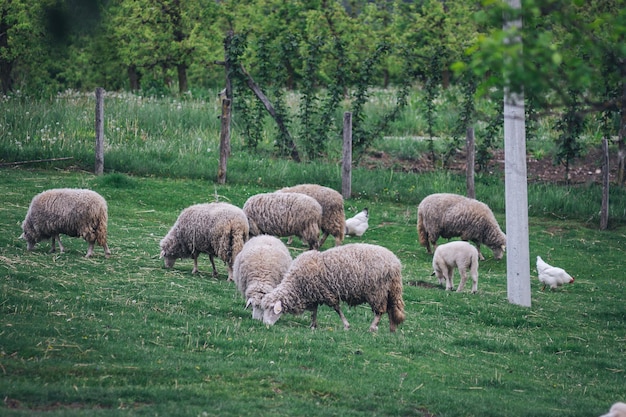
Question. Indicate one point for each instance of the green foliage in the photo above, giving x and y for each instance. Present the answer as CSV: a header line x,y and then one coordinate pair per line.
x,y
570,126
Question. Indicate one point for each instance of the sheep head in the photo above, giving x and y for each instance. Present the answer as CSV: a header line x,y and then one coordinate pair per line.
x,y
272,313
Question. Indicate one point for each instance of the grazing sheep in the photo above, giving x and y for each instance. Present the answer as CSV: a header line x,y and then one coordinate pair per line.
x,y
451,215
70,211
217,229
460,255
259,268
356,273
285,214
333,219
617,410
357,225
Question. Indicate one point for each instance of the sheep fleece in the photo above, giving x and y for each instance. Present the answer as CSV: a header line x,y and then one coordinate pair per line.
x,y
285,214
333,216
452,215
71,211
355,273
213,228
259,268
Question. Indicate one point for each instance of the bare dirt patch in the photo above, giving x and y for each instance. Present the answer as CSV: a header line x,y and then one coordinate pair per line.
x,y
584,170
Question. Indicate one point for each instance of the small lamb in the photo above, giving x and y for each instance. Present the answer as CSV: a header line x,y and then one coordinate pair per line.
x,y
458,254
217,229
69,211
259,268
356,273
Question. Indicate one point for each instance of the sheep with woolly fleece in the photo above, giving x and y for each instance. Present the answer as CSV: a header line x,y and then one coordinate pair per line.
x,y
460,255
259,268
617,410
284,214
356,273
216,229
333,218
74,212
451,215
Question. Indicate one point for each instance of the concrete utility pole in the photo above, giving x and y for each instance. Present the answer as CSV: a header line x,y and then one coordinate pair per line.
x,y
516,187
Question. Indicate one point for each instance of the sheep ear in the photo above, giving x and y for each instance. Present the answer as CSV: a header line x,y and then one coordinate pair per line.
x,y
249,302
278,307
162,254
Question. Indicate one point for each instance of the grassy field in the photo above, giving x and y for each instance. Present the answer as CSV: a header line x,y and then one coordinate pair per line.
x,y
124,336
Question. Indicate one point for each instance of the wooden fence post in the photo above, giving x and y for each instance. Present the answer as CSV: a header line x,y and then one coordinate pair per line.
x,y
346,171
604,213
224,141
469,172
99,168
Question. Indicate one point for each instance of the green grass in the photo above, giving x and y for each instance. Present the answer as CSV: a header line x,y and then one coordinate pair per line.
x,y
124,336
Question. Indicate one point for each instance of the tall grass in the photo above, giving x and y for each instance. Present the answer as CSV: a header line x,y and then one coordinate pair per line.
x,y
179,138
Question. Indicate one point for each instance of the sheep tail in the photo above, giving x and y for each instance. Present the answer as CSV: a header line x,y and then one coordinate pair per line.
x,y
395,303
421,230
238,239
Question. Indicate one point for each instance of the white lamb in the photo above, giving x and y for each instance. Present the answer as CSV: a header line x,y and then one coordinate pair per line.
x,y
460,255
259,268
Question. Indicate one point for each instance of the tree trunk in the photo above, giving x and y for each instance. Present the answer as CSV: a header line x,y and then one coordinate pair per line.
x,y
470,146
604,212
133,77
621,139
224,141
270,109
182,78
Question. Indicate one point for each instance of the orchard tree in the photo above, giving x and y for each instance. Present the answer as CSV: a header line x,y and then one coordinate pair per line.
x,y
568,46
162,36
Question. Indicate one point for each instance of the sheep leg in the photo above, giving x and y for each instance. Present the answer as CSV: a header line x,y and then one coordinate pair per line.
x,y
314,317
323,239
463,273
480,255
107,251
89,250
374,325
195,264
57,238
346,325
213,265
449,278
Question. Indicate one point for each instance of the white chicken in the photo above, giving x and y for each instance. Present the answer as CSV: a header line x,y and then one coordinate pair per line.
x,y
552,276
358,224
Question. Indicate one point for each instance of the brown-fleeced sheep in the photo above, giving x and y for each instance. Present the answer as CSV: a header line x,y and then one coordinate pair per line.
x,y
73,212
356,273
333,217
285,214
451,215
217,229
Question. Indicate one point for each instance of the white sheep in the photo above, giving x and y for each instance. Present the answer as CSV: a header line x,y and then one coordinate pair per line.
x,y
460,255
73,212
259,268
333,218
285,214
217,229
617,410
355,273
451,215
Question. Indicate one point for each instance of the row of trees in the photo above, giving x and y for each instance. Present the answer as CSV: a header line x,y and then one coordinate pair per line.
x,y
574,53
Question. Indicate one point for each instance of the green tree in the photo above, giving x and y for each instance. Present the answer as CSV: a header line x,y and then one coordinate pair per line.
x,y
568,46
